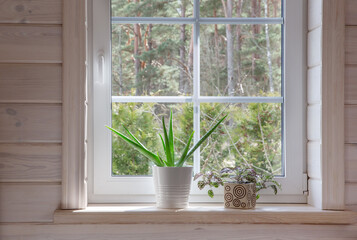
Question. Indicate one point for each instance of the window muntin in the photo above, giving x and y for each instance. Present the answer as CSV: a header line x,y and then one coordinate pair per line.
x,y
195,99
159,59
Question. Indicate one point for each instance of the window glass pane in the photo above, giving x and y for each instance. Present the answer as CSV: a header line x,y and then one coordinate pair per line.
x,y
143,120
251,133
152,60
152,8
240,8
240,60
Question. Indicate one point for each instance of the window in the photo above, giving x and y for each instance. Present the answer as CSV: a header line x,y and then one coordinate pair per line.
x,y
199,59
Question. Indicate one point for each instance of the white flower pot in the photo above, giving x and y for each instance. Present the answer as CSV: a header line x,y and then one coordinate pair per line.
x,y
172,186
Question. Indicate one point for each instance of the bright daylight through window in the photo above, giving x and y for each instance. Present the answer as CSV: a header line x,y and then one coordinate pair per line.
x,y
202,60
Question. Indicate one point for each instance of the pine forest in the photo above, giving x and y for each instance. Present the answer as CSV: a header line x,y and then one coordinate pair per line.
x,y
235,60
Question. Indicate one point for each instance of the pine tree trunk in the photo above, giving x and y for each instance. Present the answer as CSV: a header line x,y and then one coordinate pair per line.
x,y
137,38
216,35
190,55
230,48
255,31
150,60
120,70
270,73
238,47
138,82
182,81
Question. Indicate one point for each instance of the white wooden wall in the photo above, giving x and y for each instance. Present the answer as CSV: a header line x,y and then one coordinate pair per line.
x,y
30,137
351,103
30,109
314,102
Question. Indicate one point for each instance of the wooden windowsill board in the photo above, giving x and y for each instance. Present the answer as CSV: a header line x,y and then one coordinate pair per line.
x,y
203,214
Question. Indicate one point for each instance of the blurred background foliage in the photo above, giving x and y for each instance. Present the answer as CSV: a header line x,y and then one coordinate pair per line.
x,y
235,60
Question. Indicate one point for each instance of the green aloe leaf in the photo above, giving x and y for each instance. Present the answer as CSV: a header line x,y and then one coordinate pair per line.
x,y
208,133
184,153
167,144
163,143
134,138
171,139
154,158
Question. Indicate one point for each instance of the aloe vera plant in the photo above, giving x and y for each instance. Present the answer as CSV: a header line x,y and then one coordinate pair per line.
x,y
168,145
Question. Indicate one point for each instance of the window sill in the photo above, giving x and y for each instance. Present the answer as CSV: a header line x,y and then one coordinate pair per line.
x,y
203,214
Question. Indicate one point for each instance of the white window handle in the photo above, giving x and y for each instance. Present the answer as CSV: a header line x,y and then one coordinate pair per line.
x,y
101,72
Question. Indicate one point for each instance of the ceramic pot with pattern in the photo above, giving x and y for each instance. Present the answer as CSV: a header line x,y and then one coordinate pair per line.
x,y
239,195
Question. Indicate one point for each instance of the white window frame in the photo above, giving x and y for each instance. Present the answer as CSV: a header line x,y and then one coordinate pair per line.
x,y
103,188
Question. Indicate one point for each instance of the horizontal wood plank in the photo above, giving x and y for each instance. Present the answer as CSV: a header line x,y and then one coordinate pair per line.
x,y
175,231
351,207
351,194
34,11
30,162
30,123
203,214
28,202
31,83
350,12
351,84
30,44
351,45
350,124
351,162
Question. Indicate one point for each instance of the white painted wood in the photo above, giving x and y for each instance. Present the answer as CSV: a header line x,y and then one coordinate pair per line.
x,y
351,162
74,186
314,160
350,124
314,47
351,84
333,104
351,193
30,123
30,162
314,85
175,231
34,11
110,189
22,202
314,13
31,83
26,44
351,44
351,10
315,193
314,122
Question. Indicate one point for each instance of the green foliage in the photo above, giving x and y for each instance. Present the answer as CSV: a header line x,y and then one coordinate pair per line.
x,y
252,132
165,51
125,161
238,141
240,174
167,143
252,136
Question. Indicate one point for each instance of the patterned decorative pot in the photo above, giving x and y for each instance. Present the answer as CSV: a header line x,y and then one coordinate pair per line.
x,y
242,196
172,186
